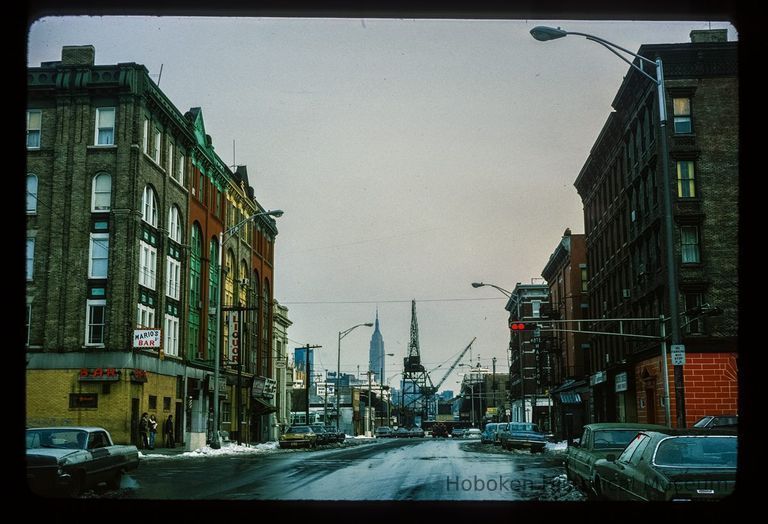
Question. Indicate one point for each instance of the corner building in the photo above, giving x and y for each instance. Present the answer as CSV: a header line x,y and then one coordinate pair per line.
x,y
111,248
620,186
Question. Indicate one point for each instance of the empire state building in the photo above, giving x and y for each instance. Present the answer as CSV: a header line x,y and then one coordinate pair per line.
x,y
376,353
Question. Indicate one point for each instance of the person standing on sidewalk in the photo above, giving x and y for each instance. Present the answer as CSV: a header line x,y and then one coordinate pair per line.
x,y
144,430
168,432
152,431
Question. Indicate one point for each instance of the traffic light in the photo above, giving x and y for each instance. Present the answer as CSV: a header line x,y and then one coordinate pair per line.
x,y
522,326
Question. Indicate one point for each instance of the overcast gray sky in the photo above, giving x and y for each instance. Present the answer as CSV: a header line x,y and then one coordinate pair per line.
x,y
411,157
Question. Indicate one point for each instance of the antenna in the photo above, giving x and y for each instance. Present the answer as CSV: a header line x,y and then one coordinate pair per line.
x,y
160,75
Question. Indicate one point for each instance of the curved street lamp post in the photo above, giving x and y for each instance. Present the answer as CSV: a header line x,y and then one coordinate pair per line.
x,y
342,334
216,438
543,33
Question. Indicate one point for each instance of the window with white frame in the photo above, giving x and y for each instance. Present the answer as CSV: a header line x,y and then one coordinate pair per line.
x,y
98,259
30,258
169,158
171,335
156,150
682,115
105,126
145,137
31,194
145,317
149,207
173,278
95,315
180,170
686,181
147,265
101,192
689,237
34,124
174,224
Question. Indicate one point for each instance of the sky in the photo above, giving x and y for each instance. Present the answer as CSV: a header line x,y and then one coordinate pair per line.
x,y
411,157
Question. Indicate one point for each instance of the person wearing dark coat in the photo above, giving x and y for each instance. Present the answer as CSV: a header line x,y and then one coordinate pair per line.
x,y
168,432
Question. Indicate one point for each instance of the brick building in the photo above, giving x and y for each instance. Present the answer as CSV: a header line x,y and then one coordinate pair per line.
x,y
620,189
566,275
113,197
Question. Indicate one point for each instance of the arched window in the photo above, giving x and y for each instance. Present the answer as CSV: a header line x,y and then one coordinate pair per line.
x,y
174,224
149,206
229,280
243,280
31,194
101,192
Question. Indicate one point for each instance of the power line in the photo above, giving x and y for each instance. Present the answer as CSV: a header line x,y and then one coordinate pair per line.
x,y
320,302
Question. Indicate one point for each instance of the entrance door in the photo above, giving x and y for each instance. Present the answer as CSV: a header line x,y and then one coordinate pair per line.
x,y
135,422
650,402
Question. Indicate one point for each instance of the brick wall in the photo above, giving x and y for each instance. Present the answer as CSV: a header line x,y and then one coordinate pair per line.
x,y
711,385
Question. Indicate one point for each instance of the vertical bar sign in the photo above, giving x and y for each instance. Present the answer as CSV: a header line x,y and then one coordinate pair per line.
x,y
234,339
234,336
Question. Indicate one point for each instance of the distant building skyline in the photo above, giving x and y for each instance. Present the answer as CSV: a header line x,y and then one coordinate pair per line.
x,y
376,355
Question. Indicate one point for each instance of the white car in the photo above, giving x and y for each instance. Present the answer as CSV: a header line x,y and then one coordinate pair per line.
x,y
472,433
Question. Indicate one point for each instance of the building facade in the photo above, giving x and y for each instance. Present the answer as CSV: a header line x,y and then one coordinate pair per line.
x,y
125,199
621,189
566,274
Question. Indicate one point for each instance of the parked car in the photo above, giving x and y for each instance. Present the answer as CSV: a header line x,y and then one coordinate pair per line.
x,y
673,465
489,432
297,437
324,436
402,433
416,431
339,435
457,432
383,432
523,435
67,460
718,421
502,426
439,430
597,441
472,433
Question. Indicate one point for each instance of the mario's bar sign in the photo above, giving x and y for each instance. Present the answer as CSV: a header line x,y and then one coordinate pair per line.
x,y
99,375
146,338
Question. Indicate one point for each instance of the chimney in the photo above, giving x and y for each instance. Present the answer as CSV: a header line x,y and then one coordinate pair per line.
x,y
78,55
699,36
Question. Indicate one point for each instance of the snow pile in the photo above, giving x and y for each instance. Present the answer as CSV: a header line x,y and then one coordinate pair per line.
x,y
226,450
561,489
557,446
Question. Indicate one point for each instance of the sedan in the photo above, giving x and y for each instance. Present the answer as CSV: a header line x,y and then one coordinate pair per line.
x,y
523,435
674,465
298,436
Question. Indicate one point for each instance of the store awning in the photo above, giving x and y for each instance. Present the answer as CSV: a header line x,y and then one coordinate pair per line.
x,y
262,406
570,398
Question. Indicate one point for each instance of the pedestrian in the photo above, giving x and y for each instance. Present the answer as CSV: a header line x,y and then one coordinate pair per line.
x,y
168,431
152,431
144,430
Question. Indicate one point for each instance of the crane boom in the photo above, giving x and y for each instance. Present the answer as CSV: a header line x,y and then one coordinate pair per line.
x,y
455,363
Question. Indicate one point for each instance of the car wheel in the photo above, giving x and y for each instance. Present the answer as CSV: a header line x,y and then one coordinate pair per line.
x,y
75,487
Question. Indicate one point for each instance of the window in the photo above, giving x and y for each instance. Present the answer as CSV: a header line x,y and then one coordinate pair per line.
x,y
682,115
171,336
180,170
98,260
152,402
156,150
166,403
145,317
194,349
30,258
95,322
34,122
83,400
213,288
28,321
692,324
686,186
147,265
173,278
105,126
201,195
31,194
169,158
101,192
149,207
145,137
174,224
689,237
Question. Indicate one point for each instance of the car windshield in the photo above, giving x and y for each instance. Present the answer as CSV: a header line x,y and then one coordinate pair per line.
x,y
614,438
64,439
697,452
299,429
523,426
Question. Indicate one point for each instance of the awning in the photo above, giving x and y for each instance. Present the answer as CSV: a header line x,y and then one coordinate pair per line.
x,y
262,407
569,384
570,398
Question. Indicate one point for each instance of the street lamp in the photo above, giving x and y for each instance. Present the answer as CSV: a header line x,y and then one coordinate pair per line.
x,y
342,334
215,440
481,284
543,33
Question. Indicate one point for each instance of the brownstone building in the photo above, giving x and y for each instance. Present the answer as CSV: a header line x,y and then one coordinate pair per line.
x,y
620,186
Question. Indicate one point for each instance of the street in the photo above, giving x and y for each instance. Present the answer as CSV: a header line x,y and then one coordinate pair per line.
x,y
391,469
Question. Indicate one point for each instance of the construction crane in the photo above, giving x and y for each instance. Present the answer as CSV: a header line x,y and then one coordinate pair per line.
x,y
433,390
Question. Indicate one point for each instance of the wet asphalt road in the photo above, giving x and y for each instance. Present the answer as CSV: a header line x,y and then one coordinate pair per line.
x,y
413,469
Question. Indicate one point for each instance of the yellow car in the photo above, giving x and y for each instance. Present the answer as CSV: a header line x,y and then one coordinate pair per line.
x,y
298,437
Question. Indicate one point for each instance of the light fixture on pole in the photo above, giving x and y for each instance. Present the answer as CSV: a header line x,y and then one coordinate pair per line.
x,y
223,236
543,33
342,334
481,284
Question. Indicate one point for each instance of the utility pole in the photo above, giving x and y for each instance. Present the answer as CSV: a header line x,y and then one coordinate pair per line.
x,y
325,401
370,403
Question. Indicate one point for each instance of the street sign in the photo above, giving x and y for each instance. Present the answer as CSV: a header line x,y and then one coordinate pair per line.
x,y
678,354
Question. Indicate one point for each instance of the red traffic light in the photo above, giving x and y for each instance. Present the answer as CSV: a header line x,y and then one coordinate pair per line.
x,y
522,326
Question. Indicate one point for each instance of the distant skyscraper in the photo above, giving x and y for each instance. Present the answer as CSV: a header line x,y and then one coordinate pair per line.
x,y
376,353
300,362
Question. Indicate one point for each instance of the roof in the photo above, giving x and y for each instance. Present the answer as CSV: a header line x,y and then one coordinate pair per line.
x,y
625,425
